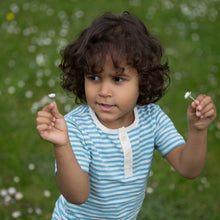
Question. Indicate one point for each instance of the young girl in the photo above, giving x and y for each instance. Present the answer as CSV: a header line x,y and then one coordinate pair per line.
x,y
104,148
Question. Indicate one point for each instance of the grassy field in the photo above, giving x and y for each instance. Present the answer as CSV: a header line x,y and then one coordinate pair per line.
x,y
32,34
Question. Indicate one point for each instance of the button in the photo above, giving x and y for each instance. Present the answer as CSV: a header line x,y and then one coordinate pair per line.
x,y
123,138
128,153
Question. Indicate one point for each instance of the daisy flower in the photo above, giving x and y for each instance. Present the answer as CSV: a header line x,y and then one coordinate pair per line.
x,y
188,95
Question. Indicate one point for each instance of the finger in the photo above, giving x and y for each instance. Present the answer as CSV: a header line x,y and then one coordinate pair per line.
x,y
200,97
206,100
44,114
45,120
205,107
42,128
209,111
52,107
48,107
209,114
55,112
195,104
201,102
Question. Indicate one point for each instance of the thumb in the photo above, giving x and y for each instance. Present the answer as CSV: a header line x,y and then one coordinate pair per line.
x,y
54,110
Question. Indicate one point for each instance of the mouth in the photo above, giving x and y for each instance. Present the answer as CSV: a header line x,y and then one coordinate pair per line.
x,y
106,107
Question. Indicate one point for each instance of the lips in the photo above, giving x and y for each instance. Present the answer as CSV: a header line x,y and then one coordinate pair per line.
x,y
106,107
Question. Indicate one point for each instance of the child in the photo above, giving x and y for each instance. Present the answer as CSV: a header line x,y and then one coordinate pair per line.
x,y
104,148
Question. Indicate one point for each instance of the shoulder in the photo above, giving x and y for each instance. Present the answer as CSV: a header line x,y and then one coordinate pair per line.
x,y
79,115
149,110
78,112
151,113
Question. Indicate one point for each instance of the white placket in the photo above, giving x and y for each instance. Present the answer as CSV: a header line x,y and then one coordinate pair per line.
x,y
128,157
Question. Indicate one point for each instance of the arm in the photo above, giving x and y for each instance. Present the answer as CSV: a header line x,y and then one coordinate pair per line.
x,y
72,181
189,159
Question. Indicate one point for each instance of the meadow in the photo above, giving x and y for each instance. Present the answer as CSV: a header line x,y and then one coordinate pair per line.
x,y
33,32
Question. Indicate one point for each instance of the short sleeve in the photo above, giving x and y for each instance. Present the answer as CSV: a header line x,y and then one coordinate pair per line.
x,y
78,144
166,135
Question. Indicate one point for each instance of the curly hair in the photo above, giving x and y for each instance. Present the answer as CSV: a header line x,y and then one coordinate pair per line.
x,y
123,37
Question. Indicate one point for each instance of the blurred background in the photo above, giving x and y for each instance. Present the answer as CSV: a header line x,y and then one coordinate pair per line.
x,y
33,32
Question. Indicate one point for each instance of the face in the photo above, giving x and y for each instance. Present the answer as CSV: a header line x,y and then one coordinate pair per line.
x,y
112,95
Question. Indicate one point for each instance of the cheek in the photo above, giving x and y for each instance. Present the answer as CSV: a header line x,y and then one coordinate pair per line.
x,y
89,92
129,95
86,89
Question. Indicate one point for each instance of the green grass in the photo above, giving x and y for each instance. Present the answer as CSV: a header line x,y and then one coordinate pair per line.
x,y
189,31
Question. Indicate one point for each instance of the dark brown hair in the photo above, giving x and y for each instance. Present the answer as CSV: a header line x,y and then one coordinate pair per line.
x,y
123,37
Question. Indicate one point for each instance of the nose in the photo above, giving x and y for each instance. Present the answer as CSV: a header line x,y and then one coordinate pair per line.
x,y
105,89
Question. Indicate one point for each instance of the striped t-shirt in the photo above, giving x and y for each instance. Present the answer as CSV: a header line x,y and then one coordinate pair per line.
x,y
118,161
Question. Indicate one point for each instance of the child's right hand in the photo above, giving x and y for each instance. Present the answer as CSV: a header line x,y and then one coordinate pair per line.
x,y
51,125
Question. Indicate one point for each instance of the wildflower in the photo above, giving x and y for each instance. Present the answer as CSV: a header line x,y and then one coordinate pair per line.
x,y
18,196
11,90
31,166
4,192
29,210
10,16
51,83
188,95
41,60
11,191
38,211
150,190
7,200
172,186
28,94
16,214
21,84
151,173
47,193
52,95
79,14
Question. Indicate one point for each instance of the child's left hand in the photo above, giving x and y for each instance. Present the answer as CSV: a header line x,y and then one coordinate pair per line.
x,y
201,113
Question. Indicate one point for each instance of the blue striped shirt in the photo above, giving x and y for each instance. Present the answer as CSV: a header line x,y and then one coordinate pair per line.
x,y
118,161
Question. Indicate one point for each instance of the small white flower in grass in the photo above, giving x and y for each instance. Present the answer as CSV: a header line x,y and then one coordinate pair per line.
x,y
151,173
52,95
16,214
30,210
18,196
47,193
11,191
41,60
79,14
172,186
38,211
172,169
67,108
188,95
150,190
4,192
11,90
51,83
7,199
28,94
31,166
21,84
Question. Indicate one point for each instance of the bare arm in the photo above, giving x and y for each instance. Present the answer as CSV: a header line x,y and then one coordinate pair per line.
x,y
189,159
72,181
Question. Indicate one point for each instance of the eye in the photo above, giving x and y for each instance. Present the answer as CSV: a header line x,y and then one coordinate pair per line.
x,y
118,79
94,78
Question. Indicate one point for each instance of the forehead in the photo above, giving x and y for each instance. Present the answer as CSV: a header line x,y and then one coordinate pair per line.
x,y
121,68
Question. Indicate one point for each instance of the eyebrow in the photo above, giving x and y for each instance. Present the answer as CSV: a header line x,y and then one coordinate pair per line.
x,y
122,74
